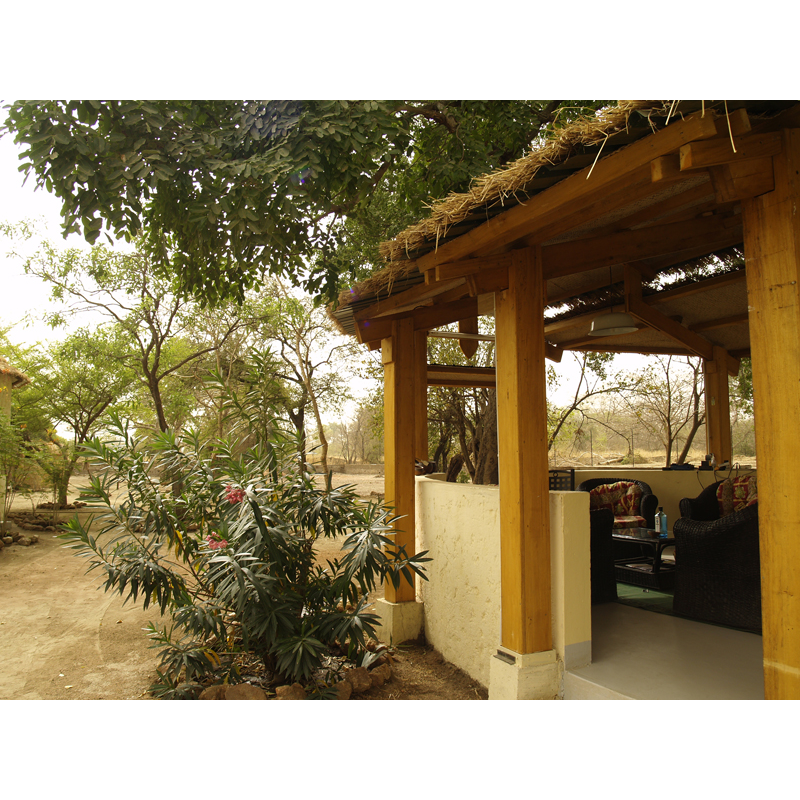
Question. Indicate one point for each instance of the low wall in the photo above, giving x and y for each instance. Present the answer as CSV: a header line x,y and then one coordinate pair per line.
x,y
459,524
358,469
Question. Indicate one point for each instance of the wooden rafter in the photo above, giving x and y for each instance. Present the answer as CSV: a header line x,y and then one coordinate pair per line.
x,y
552,208
594,252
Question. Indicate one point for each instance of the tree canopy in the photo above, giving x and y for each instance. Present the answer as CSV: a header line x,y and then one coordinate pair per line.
x,y
225,192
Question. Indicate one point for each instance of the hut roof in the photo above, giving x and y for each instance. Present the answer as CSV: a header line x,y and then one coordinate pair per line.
x,y
689,199
18,379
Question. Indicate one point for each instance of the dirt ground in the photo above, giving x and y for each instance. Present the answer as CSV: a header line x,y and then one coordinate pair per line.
x,y
62,637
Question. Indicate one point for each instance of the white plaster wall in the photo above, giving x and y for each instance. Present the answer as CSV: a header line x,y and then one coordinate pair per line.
x,y
460,525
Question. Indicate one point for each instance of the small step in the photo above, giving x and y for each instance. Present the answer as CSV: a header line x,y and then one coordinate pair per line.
x,y
577,687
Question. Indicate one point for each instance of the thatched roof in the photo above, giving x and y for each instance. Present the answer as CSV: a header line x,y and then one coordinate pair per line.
x,y
18,379
573,148
510,184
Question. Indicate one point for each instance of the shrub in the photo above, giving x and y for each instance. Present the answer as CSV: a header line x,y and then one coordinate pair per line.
x,y
226,544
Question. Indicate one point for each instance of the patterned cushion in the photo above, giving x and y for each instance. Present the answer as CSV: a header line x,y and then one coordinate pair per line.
x,y
629,522
734,494
622,497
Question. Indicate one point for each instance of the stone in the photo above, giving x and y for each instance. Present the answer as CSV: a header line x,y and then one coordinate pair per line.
x,y
293,692
385,670
377,678
359,679
8,540
244,691
214,693
24,541
343,690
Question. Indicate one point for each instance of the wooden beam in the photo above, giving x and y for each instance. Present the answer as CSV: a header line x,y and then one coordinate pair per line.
x,y
421,395
667,168
468,346
591,253
445,313
406,300
772,247
399,412
564,203
742,179
655,319
720,322
679,292
475,377
525,584
718,409
470,266
372,330
553,352
698,155
488,281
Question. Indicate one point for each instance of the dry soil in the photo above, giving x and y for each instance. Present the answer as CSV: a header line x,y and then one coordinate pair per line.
x,y
62,637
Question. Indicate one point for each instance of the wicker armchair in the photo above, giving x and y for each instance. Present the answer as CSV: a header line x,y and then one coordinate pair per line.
x,y
717,563
604,582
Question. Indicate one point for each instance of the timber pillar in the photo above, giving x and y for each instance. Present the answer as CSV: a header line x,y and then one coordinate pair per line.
x,y
718,407
401,615
772,252
525,666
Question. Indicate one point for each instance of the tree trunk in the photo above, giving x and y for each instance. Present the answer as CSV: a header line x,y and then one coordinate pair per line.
x,y
454,468
486,463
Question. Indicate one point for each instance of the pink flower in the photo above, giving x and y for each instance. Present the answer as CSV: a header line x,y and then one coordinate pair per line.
x,y
214,543
234,495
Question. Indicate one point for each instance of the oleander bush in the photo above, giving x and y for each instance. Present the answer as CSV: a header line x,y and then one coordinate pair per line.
x,y
224,542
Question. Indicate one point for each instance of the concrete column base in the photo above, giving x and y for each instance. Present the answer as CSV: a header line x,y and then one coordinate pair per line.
x,y
400,622
528,676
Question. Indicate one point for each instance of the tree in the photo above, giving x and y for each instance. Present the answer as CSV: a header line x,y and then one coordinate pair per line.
x,y
127,293
668,401
78,381
313,359
227,191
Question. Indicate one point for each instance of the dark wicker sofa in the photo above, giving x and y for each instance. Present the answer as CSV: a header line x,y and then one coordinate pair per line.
x,y
717,563
647,509
604,581
648,503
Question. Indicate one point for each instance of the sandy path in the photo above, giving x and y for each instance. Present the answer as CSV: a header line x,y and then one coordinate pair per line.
x,y
62,637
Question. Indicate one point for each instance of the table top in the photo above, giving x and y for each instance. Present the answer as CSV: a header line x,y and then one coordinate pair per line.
x,y
641,535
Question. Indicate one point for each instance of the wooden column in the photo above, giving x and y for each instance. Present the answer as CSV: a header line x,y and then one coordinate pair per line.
x,y
421,395
718,408
772,252
522,443
399,401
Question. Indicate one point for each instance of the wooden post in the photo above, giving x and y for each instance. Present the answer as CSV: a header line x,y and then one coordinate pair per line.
x,y
718,408
397,354
421,395
522,443
772,252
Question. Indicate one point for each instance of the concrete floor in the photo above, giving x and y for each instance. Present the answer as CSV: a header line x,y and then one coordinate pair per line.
x,y
641,655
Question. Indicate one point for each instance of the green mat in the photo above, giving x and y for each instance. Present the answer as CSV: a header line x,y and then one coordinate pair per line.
x,y
648,599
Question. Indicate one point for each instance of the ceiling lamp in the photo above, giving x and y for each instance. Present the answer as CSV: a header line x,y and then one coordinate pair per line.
x,y
613,324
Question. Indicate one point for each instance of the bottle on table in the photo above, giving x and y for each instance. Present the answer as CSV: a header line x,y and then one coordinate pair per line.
x,y
661,523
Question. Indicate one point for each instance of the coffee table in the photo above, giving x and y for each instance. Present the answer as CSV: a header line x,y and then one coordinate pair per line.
x,y
647,570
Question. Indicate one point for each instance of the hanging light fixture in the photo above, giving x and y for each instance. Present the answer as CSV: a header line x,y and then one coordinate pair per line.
x,y
614,323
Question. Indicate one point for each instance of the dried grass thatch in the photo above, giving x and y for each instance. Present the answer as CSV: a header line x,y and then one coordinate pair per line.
x,y
18,379
495,189
509,181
